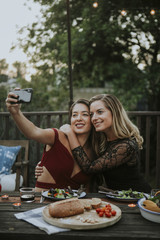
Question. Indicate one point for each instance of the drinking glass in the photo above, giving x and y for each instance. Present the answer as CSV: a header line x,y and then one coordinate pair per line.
x,y
27,194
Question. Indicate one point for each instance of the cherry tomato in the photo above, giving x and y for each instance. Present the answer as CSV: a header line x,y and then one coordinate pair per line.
x,y
103,209
113,212
108,205
98,210
101,214
108,214
108,209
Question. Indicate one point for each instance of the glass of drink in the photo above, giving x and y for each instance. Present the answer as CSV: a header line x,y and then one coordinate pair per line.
x,y
27,194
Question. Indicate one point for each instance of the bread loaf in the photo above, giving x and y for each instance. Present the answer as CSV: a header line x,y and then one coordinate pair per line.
x,y
86,204
66,208
96,202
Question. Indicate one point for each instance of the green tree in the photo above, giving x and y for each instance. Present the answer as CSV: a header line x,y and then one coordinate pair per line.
x,y
3,66
20,69
103,42
3,94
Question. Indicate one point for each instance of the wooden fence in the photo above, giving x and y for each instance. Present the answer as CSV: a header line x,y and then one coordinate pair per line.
x,y
147,122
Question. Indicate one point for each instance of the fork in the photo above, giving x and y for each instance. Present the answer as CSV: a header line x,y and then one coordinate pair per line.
x,y
105,189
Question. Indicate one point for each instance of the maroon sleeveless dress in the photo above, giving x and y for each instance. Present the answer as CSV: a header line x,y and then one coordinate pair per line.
x,y
59,163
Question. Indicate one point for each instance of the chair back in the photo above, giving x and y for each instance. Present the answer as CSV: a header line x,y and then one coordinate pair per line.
x,y
21,164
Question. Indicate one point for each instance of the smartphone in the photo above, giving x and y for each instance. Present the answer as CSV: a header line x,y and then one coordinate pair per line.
x,y
24,95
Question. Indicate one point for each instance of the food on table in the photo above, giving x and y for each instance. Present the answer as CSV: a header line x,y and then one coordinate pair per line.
x,y
150,205
71,207
128,194
87,219
66,208
157,193
88,204
106,211
156,200
61,193
96,202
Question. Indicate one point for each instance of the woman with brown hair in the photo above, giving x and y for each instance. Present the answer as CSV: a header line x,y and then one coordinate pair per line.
x,y
60,170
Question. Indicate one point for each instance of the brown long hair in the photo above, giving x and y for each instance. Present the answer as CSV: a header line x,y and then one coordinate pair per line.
x,y
85,102
79,101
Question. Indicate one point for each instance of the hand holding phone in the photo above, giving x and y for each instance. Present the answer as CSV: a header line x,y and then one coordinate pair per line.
x,y
24,95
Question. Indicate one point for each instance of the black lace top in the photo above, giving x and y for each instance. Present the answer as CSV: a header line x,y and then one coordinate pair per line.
x,y
119,164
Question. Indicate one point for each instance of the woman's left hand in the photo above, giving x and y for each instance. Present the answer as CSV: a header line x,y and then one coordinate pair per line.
x,y
38,170
66,129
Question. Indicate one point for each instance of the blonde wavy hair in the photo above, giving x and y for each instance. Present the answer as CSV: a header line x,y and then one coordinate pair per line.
x,y
122,126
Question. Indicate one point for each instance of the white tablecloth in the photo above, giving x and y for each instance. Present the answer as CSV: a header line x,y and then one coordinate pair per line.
x,y
34,217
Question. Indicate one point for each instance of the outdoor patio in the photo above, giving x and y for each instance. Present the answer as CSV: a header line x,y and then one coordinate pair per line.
x,y
148,123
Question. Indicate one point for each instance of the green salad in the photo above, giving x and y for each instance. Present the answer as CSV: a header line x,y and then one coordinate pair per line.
x,y
155,199
128,194
60,193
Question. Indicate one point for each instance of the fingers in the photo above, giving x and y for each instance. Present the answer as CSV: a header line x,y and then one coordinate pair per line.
x,y
37,174
38,170
65,127
11,99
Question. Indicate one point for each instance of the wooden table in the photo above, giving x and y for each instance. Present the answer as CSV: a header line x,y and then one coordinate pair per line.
x,y
131,226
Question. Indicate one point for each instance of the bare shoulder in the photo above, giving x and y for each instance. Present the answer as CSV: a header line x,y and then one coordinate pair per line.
x,y
63,139
61,134
46,136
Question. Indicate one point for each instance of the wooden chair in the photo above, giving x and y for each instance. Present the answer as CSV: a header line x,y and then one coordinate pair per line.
x,y
22,162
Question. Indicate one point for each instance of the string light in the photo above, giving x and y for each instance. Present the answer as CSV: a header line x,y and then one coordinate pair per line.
x,y
123,13
152,12
95,4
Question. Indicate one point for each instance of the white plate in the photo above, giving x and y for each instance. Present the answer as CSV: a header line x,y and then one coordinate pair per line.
x,y
147,214
124,199
45,194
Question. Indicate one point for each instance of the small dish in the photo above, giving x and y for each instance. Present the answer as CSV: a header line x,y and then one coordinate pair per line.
x,y
147,214
45,195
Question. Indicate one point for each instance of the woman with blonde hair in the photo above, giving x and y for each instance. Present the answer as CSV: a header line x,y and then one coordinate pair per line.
x,y
118,144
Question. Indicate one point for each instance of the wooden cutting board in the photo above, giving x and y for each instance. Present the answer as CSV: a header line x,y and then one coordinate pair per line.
x,y
79,222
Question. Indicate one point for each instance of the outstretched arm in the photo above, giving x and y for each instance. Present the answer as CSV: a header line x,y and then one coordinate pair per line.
x,y
31,131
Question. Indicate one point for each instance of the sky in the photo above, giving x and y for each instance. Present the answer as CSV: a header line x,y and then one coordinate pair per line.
x,y
13,15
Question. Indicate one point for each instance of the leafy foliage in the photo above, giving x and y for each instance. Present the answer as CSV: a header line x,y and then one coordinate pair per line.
x,y
3,66
106,48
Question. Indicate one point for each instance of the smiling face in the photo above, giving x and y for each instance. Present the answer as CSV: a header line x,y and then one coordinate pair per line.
x,y
101,117
80,119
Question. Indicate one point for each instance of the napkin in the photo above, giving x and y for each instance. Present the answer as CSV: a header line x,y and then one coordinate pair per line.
x,y
34,217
